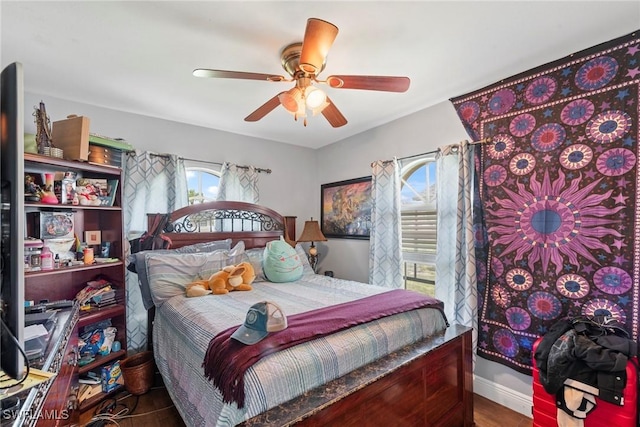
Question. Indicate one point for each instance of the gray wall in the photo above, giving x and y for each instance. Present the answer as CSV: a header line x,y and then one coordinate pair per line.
x,y
294,186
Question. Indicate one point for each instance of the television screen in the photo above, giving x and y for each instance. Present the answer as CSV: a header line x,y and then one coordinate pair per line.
x,y
12,220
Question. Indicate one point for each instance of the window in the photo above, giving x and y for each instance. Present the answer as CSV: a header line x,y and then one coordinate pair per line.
x,y
202,184
418,217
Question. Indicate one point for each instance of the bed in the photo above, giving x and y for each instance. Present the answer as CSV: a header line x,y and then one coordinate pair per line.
x,y
409,368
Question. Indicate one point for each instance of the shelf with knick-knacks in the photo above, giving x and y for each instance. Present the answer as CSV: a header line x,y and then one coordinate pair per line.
x,y
66,228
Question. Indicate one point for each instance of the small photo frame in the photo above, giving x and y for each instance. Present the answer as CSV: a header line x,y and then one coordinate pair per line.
x,y
93,237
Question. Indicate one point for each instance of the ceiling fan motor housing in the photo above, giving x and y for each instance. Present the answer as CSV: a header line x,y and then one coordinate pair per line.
x,y
290,59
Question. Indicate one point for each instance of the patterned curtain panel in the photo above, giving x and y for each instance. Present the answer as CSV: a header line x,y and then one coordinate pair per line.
x,y
456,283
239,183
385,252
556,223
152,183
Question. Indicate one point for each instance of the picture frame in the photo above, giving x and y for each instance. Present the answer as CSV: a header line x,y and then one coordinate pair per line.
x,y
93,237
346,208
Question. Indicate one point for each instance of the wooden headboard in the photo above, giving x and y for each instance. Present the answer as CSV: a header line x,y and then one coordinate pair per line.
x,y
254,224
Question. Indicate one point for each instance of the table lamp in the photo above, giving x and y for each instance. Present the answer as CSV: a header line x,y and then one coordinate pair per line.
x,y
311,233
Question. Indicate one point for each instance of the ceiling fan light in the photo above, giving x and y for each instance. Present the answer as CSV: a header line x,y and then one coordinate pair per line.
x,y
290,99
314,97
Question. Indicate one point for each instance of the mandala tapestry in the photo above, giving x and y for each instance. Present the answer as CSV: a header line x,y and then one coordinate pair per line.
x,y
557,204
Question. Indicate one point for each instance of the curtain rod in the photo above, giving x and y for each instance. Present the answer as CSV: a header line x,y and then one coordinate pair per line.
x,y
480,141
259,170
220,164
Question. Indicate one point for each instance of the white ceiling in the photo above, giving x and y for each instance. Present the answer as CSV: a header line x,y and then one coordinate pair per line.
x,y
138,56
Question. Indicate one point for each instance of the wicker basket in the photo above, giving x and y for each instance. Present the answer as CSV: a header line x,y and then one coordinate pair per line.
x,y
137,372
53,152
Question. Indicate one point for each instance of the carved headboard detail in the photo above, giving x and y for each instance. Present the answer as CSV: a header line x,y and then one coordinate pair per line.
x,y
254,224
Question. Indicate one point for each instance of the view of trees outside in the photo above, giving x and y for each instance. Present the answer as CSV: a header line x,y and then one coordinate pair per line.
x,y
202,185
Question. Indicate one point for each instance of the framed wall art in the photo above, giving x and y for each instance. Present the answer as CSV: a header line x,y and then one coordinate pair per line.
x,y
346,208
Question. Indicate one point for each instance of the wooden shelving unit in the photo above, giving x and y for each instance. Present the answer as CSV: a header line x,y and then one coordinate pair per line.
x,y
95,399
65,282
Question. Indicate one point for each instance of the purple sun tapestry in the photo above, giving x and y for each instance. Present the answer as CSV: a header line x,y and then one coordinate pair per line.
x,y
557,204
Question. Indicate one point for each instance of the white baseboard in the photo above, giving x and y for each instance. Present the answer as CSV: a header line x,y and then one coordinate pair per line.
x,y
507,397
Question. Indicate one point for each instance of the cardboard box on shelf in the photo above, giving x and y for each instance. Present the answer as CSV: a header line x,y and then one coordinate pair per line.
x,y
72,136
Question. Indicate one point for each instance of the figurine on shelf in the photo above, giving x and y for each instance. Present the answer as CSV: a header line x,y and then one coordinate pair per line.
x,y
48,196
43,129
32,191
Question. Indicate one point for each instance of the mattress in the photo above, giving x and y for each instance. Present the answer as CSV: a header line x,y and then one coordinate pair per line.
x,y
184,327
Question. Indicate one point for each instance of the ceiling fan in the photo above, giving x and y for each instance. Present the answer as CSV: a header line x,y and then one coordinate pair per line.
x,y
304,62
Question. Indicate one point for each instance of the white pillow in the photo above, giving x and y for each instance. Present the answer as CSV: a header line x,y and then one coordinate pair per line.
x,y
254,256
169,274
137,263
306,267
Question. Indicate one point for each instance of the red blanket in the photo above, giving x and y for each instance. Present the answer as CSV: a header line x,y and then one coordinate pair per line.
x,y
227,360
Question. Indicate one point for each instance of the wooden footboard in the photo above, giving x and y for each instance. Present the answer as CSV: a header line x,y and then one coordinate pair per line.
x,y
426,384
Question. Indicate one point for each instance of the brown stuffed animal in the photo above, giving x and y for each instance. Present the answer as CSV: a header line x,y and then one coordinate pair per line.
x,y
231,278
248,276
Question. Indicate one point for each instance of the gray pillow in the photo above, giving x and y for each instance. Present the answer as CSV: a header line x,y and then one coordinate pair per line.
x,y
169,274
139,263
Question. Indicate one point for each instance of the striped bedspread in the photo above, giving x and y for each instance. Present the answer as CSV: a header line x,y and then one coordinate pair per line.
x,y
184,326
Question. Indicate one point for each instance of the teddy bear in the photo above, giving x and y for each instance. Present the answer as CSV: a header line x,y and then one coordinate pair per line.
x,y
231,278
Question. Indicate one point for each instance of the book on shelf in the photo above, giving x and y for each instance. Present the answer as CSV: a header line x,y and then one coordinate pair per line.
x,y
103,299
95,289
105,141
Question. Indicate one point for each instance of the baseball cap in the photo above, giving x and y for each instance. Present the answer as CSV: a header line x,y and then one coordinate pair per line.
x,y
262,318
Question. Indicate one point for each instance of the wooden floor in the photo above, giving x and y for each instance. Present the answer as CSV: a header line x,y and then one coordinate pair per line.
x,y
156,409
152,409
489,414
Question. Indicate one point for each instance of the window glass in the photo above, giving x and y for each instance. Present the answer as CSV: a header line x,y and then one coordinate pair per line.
x,y
419,221
202,184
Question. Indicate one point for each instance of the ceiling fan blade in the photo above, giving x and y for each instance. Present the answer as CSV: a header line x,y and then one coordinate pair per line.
x,y
333,115
264,109
223,74
318,38
383,83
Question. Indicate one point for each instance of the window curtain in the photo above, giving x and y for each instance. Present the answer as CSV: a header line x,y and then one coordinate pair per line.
x,y
455,251
239,183
385,253
152,183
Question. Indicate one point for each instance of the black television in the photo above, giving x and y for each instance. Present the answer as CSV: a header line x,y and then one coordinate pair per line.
x,y
12,221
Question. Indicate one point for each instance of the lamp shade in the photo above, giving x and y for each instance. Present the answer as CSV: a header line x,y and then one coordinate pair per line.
x,y
291,99
318,38
311,232
314,97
